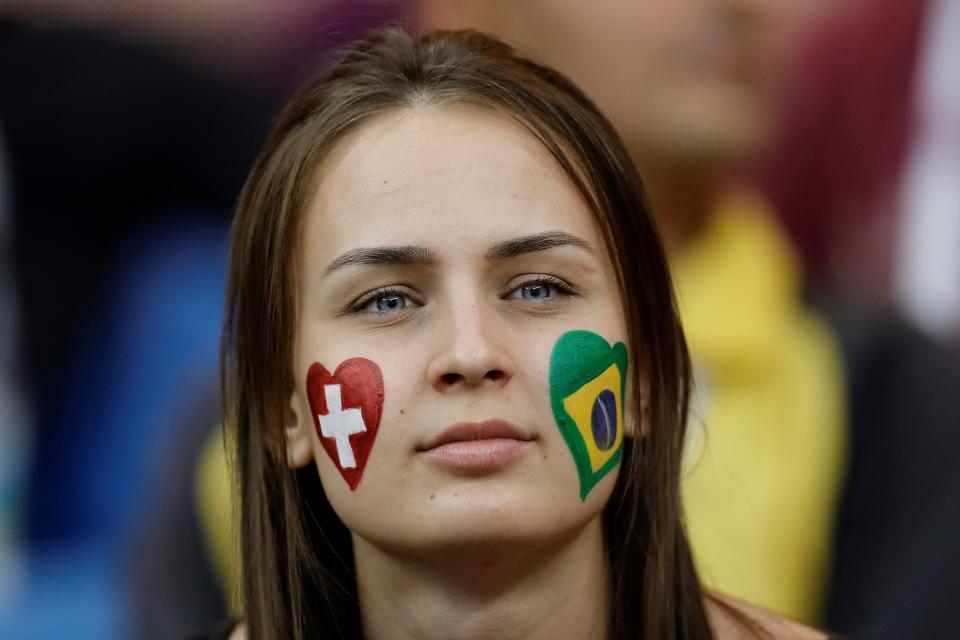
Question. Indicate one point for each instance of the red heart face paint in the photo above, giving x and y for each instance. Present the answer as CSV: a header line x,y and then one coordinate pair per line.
x,y
346,407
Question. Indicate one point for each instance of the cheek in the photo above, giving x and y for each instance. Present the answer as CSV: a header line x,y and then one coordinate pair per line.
x,y
359,494
345,410
531,360
386,494
588,377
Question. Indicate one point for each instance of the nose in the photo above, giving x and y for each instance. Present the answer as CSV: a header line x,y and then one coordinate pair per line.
x,y
470,352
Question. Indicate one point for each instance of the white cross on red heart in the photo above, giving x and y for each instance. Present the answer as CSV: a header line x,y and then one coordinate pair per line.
x,y
359,385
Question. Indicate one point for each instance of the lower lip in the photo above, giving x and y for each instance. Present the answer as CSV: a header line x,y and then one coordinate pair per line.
x,y
479,455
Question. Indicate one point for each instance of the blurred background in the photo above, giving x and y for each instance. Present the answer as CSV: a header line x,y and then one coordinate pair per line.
x,y
802,161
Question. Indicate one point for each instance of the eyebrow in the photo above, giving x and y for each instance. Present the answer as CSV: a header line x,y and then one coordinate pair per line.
x,y
382,256
537,242
408,255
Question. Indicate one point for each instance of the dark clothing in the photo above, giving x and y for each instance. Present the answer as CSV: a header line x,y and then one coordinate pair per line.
x,y
174,586
105,137
896,557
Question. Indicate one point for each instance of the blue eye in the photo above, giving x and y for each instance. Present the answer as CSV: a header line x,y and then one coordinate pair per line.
x,y
389,303
385,302
537,291
542,289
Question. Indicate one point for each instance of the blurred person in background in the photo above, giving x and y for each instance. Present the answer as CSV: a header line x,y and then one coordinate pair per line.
x,y
123,160
14,417
866,168
821,483
107,138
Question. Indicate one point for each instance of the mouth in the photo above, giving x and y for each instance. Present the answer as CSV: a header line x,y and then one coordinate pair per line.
x,y
477,446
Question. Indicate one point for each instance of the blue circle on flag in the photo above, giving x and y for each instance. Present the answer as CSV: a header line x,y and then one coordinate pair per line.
x,y
603,420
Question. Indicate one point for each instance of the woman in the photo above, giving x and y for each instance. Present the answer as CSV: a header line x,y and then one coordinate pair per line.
x,y
454,365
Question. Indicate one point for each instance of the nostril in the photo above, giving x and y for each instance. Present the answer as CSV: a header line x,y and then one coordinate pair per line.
x,y
450,379
494,375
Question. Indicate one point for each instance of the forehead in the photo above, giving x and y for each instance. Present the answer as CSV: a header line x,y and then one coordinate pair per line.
x,y
440,176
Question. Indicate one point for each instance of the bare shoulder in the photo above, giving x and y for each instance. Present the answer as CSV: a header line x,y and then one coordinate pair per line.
x,y
734,619
239,632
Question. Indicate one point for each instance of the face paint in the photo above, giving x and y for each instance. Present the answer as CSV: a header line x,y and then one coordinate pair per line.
x,y
587,385
346,407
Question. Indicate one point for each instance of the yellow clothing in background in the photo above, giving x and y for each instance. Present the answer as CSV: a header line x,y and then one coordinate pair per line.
x,y
766,443
215,510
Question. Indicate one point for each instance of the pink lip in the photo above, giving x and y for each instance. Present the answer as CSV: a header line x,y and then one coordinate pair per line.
x,y
477,445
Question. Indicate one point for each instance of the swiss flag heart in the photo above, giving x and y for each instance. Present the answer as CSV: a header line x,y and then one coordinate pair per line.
x,y
347,406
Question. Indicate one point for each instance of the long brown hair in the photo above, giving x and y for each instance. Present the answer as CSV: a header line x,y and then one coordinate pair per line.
x,y
297,556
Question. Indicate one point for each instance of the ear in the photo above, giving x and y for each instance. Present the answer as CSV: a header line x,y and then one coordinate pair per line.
x,y
298,432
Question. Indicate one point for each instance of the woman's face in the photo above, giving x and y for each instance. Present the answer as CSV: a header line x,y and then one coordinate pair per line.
x,y
447,247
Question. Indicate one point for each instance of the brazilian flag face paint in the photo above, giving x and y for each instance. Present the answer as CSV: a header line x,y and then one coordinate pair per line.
x,y
587,384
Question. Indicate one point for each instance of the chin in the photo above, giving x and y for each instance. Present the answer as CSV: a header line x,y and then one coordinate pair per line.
x,y
470,537
473,516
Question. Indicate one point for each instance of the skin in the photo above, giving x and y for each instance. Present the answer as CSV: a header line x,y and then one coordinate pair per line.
x,y
690,85
511,552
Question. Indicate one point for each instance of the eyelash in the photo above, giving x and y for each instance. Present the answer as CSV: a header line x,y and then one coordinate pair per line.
x,y
562,287
367,298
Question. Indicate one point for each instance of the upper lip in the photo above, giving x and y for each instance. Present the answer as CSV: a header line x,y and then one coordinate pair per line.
x,y
466,431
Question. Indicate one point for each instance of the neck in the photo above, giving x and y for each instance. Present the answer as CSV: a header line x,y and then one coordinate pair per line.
x,y
681,200
554,590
